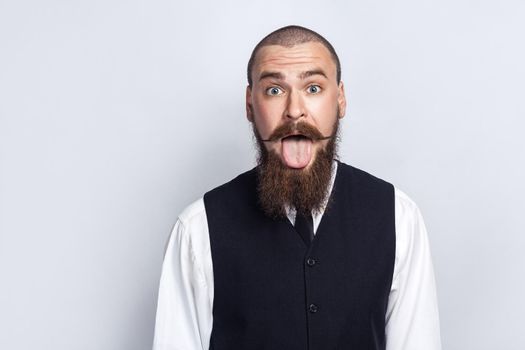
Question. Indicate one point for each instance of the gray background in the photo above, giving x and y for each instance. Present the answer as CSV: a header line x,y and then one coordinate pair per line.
x,y
114,115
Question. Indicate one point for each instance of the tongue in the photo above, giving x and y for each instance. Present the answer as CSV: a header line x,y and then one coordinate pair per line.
x,y
297,152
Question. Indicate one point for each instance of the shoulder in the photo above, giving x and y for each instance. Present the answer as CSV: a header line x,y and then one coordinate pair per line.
x,y
409,222
226,200
239,184
190,232
409,225
405,206
193,217
370,191
403,203
193,213
407,213
362,179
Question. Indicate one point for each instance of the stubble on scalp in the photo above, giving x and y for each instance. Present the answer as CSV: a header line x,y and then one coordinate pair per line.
x,y
279,186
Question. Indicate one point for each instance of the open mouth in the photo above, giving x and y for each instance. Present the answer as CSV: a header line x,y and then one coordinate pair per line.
x,y
296,150
298,137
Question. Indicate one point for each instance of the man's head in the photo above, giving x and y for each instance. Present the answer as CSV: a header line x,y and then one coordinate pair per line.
x,y
290,36
294,100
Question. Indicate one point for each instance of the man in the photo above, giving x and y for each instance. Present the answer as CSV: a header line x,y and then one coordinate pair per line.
x,y
302,252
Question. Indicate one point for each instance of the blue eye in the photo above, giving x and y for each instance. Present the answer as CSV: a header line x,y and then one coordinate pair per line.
x,y
273,91
314,89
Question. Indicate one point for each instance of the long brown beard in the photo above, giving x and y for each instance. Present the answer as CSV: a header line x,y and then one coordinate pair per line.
x,y
304,189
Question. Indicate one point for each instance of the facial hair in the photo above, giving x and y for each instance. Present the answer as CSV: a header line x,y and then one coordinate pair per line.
x,y
279,186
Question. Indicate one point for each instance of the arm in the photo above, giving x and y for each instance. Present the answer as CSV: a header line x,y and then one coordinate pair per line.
x,y
183,319
412,318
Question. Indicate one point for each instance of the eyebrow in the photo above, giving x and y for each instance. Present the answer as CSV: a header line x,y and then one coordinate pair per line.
x,y
303,75
310,73
266,74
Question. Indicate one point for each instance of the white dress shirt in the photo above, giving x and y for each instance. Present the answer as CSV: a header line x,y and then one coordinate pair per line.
x,y
185,302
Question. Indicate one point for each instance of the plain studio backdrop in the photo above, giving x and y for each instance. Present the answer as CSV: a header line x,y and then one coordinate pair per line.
x,y
115,115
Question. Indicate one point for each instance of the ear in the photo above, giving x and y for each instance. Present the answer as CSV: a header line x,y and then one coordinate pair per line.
x,y
341,100
249,108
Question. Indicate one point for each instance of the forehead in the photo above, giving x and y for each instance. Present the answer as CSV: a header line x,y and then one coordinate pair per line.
x,y
296,59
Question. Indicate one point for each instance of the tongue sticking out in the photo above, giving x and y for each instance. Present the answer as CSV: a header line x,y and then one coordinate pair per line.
x,y
297,151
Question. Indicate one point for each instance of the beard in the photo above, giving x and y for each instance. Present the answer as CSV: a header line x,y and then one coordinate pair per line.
x,y
306,189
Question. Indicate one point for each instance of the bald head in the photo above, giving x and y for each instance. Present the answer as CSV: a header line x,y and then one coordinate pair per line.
x,y
290,36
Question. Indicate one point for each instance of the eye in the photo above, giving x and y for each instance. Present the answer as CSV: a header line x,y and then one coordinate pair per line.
x,y
274,91
314,89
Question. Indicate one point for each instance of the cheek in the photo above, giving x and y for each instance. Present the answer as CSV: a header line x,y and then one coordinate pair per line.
x,y
324,113
266,117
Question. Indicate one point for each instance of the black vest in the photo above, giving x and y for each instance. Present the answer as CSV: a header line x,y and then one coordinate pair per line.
x,y
274,292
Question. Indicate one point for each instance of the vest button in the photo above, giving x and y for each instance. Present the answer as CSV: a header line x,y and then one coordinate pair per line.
x,y
313,308
311,261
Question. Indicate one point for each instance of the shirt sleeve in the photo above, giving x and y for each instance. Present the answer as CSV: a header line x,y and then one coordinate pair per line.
x,y
412,318
183,320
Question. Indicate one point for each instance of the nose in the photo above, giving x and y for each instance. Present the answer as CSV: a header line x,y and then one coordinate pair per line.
x,y
295,106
